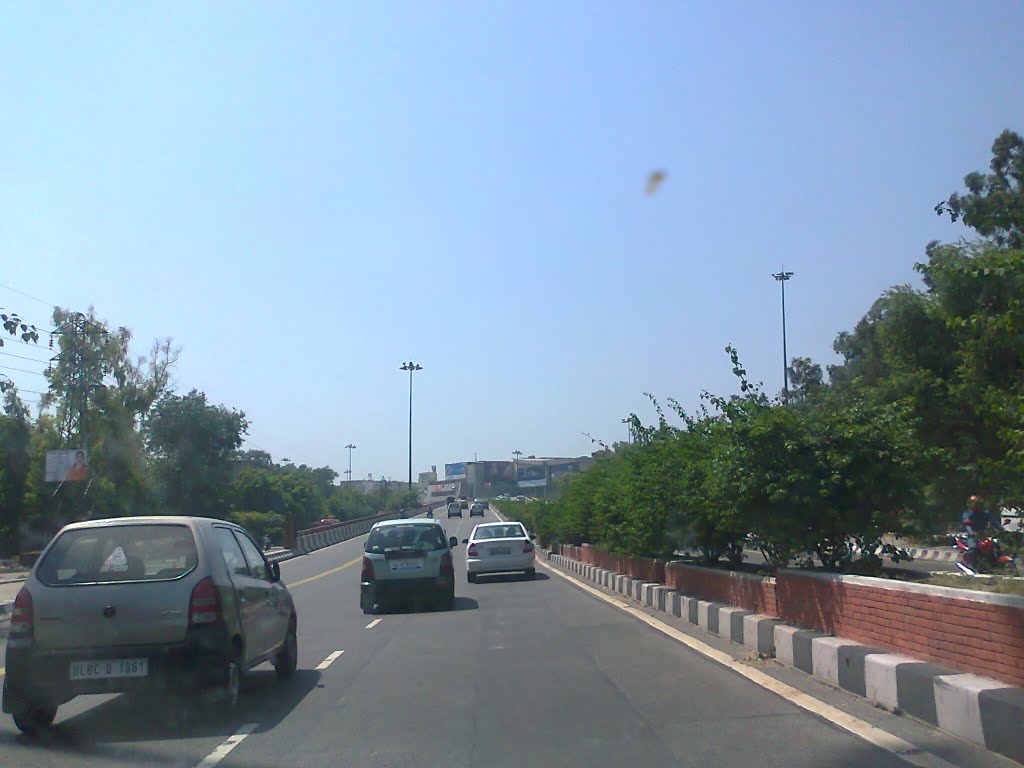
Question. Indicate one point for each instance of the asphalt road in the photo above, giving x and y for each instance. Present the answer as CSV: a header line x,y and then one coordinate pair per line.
x,y
520,673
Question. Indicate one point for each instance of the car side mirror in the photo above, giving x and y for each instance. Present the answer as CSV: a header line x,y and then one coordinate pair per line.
x,y
453,542
275,570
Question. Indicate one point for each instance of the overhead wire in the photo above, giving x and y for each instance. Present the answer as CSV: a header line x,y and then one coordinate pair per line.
x,y
20,370
22,357
27,295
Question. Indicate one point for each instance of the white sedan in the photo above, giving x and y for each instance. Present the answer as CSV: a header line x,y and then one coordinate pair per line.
x,y
498,548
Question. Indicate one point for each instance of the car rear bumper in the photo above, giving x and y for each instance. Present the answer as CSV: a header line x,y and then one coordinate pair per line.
x,y
500,564
37,675
386,590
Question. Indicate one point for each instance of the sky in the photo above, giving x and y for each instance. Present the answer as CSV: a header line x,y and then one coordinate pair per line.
x,y
306,195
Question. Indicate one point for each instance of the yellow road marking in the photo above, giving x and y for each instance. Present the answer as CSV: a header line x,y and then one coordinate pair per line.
x,y
326,573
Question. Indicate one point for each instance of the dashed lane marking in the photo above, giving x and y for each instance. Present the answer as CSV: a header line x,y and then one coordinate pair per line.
x,y
232,741
328,661
373,624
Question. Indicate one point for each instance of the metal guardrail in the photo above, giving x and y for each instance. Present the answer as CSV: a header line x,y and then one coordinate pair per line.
x,y
320,536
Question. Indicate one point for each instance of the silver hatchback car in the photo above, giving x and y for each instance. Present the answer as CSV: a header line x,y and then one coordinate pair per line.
x,y
171,605
406,559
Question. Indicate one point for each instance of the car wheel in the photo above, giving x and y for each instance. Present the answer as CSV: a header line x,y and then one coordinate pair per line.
x,y
471,578
36,718
530,573
287,660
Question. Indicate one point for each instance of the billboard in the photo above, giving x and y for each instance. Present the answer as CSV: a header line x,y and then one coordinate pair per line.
x,y
444,489
67,466
531,477
498,471
455,471
563,469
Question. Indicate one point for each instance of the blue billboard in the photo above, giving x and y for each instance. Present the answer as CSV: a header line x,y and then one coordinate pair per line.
x,y
456,471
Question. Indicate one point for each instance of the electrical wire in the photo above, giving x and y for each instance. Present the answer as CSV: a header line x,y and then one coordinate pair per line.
x,y
22,357
28,296
21,370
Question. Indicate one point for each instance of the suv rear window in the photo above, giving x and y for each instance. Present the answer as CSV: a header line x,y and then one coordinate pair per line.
x,y
119,553
395,538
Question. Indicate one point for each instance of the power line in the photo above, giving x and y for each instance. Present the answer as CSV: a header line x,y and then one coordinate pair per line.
x,y
28,296
22,370
22,357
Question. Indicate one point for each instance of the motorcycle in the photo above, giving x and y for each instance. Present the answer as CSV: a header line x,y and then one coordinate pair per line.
x,y
430,512
985,557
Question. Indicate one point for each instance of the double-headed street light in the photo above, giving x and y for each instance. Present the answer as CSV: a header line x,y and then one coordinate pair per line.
x,y
782,277
411,367
350,446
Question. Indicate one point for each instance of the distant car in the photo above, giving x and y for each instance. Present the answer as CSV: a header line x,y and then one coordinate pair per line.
x,y
144,604
476,509
481,502
464,502
499,548
329,520
455,509
449,500
407,559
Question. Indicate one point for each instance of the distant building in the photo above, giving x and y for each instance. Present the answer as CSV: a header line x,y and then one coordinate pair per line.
x,y
427,479
533,476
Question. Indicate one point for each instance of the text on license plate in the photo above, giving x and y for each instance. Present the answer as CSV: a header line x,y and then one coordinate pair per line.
x,y
407,565
501,551
99,670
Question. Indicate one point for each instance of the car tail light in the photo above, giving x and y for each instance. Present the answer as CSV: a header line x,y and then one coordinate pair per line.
x,y
527,547
21,632
367,573
204,607
447,567
473,551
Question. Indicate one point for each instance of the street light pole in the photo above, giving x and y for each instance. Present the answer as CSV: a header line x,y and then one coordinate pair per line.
x,y
350,446
783,277
411,367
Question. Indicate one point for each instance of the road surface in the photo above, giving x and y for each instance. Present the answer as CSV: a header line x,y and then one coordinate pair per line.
x,y
520,673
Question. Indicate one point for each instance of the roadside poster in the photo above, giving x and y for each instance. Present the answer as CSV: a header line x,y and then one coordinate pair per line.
x,y
67,466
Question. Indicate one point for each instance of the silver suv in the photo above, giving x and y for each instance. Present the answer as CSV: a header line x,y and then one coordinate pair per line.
x,y
168,605
406,559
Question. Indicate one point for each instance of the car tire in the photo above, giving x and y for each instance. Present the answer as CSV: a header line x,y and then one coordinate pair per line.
x,y
36,718
471,578
530,573
287,660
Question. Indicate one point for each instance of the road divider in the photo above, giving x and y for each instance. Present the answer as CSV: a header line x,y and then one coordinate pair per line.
x,y
981,710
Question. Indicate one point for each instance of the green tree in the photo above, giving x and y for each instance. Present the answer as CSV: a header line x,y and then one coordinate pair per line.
x,y
192,444
994,202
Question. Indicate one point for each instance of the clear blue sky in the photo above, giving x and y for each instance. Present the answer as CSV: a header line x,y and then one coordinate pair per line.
x,y
305,195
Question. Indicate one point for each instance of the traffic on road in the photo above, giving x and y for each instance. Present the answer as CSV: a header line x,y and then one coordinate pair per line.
x,y
522,649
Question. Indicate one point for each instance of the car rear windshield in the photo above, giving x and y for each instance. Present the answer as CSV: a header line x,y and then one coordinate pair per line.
x,y
396,538
514,531
119,553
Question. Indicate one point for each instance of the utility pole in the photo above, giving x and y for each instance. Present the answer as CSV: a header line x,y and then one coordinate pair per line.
x,y
411,367
350,446
783,277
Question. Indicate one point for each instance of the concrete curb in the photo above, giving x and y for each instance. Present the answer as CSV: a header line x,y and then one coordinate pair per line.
x,y
981,710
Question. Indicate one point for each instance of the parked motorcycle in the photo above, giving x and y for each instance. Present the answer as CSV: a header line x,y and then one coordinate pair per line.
x,y
985,557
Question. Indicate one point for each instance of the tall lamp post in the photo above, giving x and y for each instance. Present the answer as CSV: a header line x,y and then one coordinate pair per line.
x,y
411,367
350,446
783,277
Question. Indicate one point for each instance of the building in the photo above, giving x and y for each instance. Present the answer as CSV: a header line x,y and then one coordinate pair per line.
x,y
427,479
533,476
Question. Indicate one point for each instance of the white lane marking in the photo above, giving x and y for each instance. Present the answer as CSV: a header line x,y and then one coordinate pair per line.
x,y
373,624
328,661
232,741
883,739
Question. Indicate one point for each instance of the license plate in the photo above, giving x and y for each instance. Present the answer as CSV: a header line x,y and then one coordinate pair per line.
x,y
501,551
102,670
407,565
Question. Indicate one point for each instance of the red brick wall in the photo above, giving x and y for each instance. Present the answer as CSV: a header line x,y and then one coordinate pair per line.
x,y
967,635
963,634
754,594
